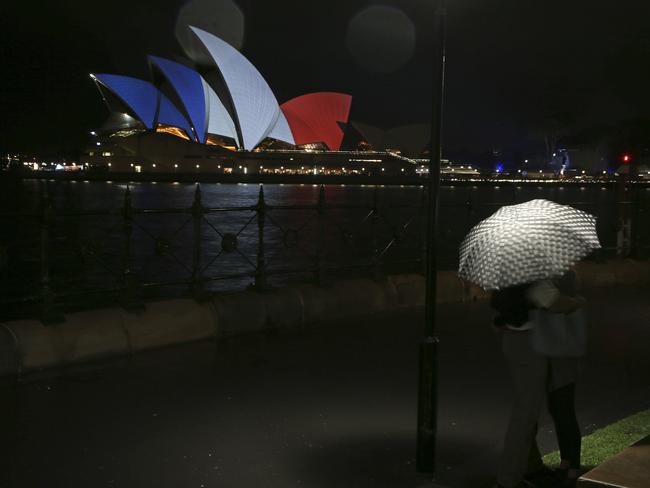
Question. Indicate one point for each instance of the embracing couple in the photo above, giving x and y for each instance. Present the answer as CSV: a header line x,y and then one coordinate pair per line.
x,y
543,337
524,254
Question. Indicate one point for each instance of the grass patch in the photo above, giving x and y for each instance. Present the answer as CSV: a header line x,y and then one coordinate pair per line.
x,y
604,443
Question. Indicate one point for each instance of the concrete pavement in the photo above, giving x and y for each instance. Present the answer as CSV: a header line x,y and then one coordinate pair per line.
x,y
332,405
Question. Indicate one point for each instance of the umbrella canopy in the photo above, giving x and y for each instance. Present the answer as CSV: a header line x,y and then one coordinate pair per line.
x,y
527,242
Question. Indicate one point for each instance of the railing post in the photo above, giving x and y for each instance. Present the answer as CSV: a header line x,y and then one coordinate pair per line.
x,y
423,230
196,287
643,222
374,240
129,299
48,312
599,255
469,207
260,272
636,232
623,218
320,209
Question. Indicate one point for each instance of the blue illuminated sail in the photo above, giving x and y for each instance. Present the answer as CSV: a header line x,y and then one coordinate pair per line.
x,y
188,85
139,95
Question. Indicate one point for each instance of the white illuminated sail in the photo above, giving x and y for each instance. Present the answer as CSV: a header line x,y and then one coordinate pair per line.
x,y
255,105
220,122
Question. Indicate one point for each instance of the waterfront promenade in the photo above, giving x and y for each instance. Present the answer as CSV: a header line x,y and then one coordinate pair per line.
x,y
333,405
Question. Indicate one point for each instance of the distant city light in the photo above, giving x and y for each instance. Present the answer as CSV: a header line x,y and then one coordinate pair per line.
x,y
198,166
98,143
93,133
154,165
626,158
175,166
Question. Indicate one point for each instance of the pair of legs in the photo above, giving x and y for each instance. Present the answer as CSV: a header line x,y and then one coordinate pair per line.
x,y
561,406
531,374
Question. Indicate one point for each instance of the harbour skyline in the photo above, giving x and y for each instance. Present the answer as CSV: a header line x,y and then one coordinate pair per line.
x,y
592,61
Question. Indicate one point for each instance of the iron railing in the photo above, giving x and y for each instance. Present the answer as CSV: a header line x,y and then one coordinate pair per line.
x,y
54,260
122,255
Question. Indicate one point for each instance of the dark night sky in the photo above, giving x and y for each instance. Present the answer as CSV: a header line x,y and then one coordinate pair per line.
x,y
509,62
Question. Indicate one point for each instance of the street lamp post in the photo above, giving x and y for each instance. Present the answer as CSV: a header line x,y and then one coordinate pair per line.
x,y
427,388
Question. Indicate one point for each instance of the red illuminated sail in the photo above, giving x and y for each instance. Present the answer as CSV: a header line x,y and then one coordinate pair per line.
x,y
315,118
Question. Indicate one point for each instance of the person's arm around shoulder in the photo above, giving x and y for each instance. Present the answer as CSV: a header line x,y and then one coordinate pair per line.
x,y
544,294
567,304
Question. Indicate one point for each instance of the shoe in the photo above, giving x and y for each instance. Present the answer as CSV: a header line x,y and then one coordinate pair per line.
x,y
568,483
521,484
544,472
546,477
563,480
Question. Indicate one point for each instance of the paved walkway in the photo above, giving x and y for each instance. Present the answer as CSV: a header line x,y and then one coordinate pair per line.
x,y
330,406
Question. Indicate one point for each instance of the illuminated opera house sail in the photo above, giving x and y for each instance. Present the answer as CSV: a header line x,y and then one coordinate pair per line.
x,y
217,114
227,104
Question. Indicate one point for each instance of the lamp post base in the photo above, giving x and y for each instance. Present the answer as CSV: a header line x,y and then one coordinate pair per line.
x,y
427,406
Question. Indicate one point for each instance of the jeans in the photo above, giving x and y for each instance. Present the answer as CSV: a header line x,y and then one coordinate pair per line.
x,y
561,406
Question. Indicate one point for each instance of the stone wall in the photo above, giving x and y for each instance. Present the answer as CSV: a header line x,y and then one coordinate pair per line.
x,y
29,345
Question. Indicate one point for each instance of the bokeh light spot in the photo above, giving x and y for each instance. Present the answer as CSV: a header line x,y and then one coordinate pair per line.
x,y
223,18
381,39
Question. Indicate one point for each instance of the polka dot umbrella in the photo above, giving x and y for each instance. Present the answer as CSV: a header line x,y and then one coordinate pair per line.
x,y
527,242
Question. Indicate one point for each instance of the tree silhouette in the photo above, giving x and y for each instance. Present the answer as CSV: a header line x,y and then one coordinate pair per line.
x,y
550,128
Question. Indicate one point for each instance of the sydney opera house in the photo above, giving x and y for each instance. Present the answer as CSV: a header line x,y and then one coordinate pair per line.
x,y
222,116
